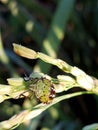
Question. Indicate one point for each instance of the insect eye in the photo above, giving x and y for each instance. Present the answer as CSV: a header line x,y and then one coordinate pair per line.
x,y
52,92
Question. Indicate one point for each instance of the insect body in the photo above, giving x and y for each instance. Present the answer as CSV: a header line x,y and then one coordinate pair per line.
x,y
42,88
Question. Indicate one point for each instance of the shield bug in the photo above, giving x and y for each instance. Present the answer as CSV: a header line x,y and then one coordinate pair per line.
x,y
42,87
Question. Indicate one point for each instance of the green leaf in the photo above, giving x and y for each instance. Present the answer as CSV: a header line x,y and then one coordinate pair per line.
x,y
91,127
56,32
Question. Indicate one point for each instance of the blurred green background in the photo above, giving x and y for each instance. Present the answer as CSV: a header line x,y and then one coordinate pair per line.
x,y
65,29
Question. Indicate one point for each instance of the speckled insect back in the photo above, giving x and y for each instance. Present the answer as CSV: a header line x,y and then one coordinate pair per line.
x,y
42,88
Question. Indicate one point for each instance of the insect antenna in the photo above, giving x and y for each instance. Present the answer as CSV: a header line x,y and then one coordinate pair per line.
x,y
26,78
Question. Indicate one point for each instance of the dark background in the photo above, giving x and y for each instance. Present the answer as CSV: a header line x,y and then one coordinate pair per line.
x,y
78,47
